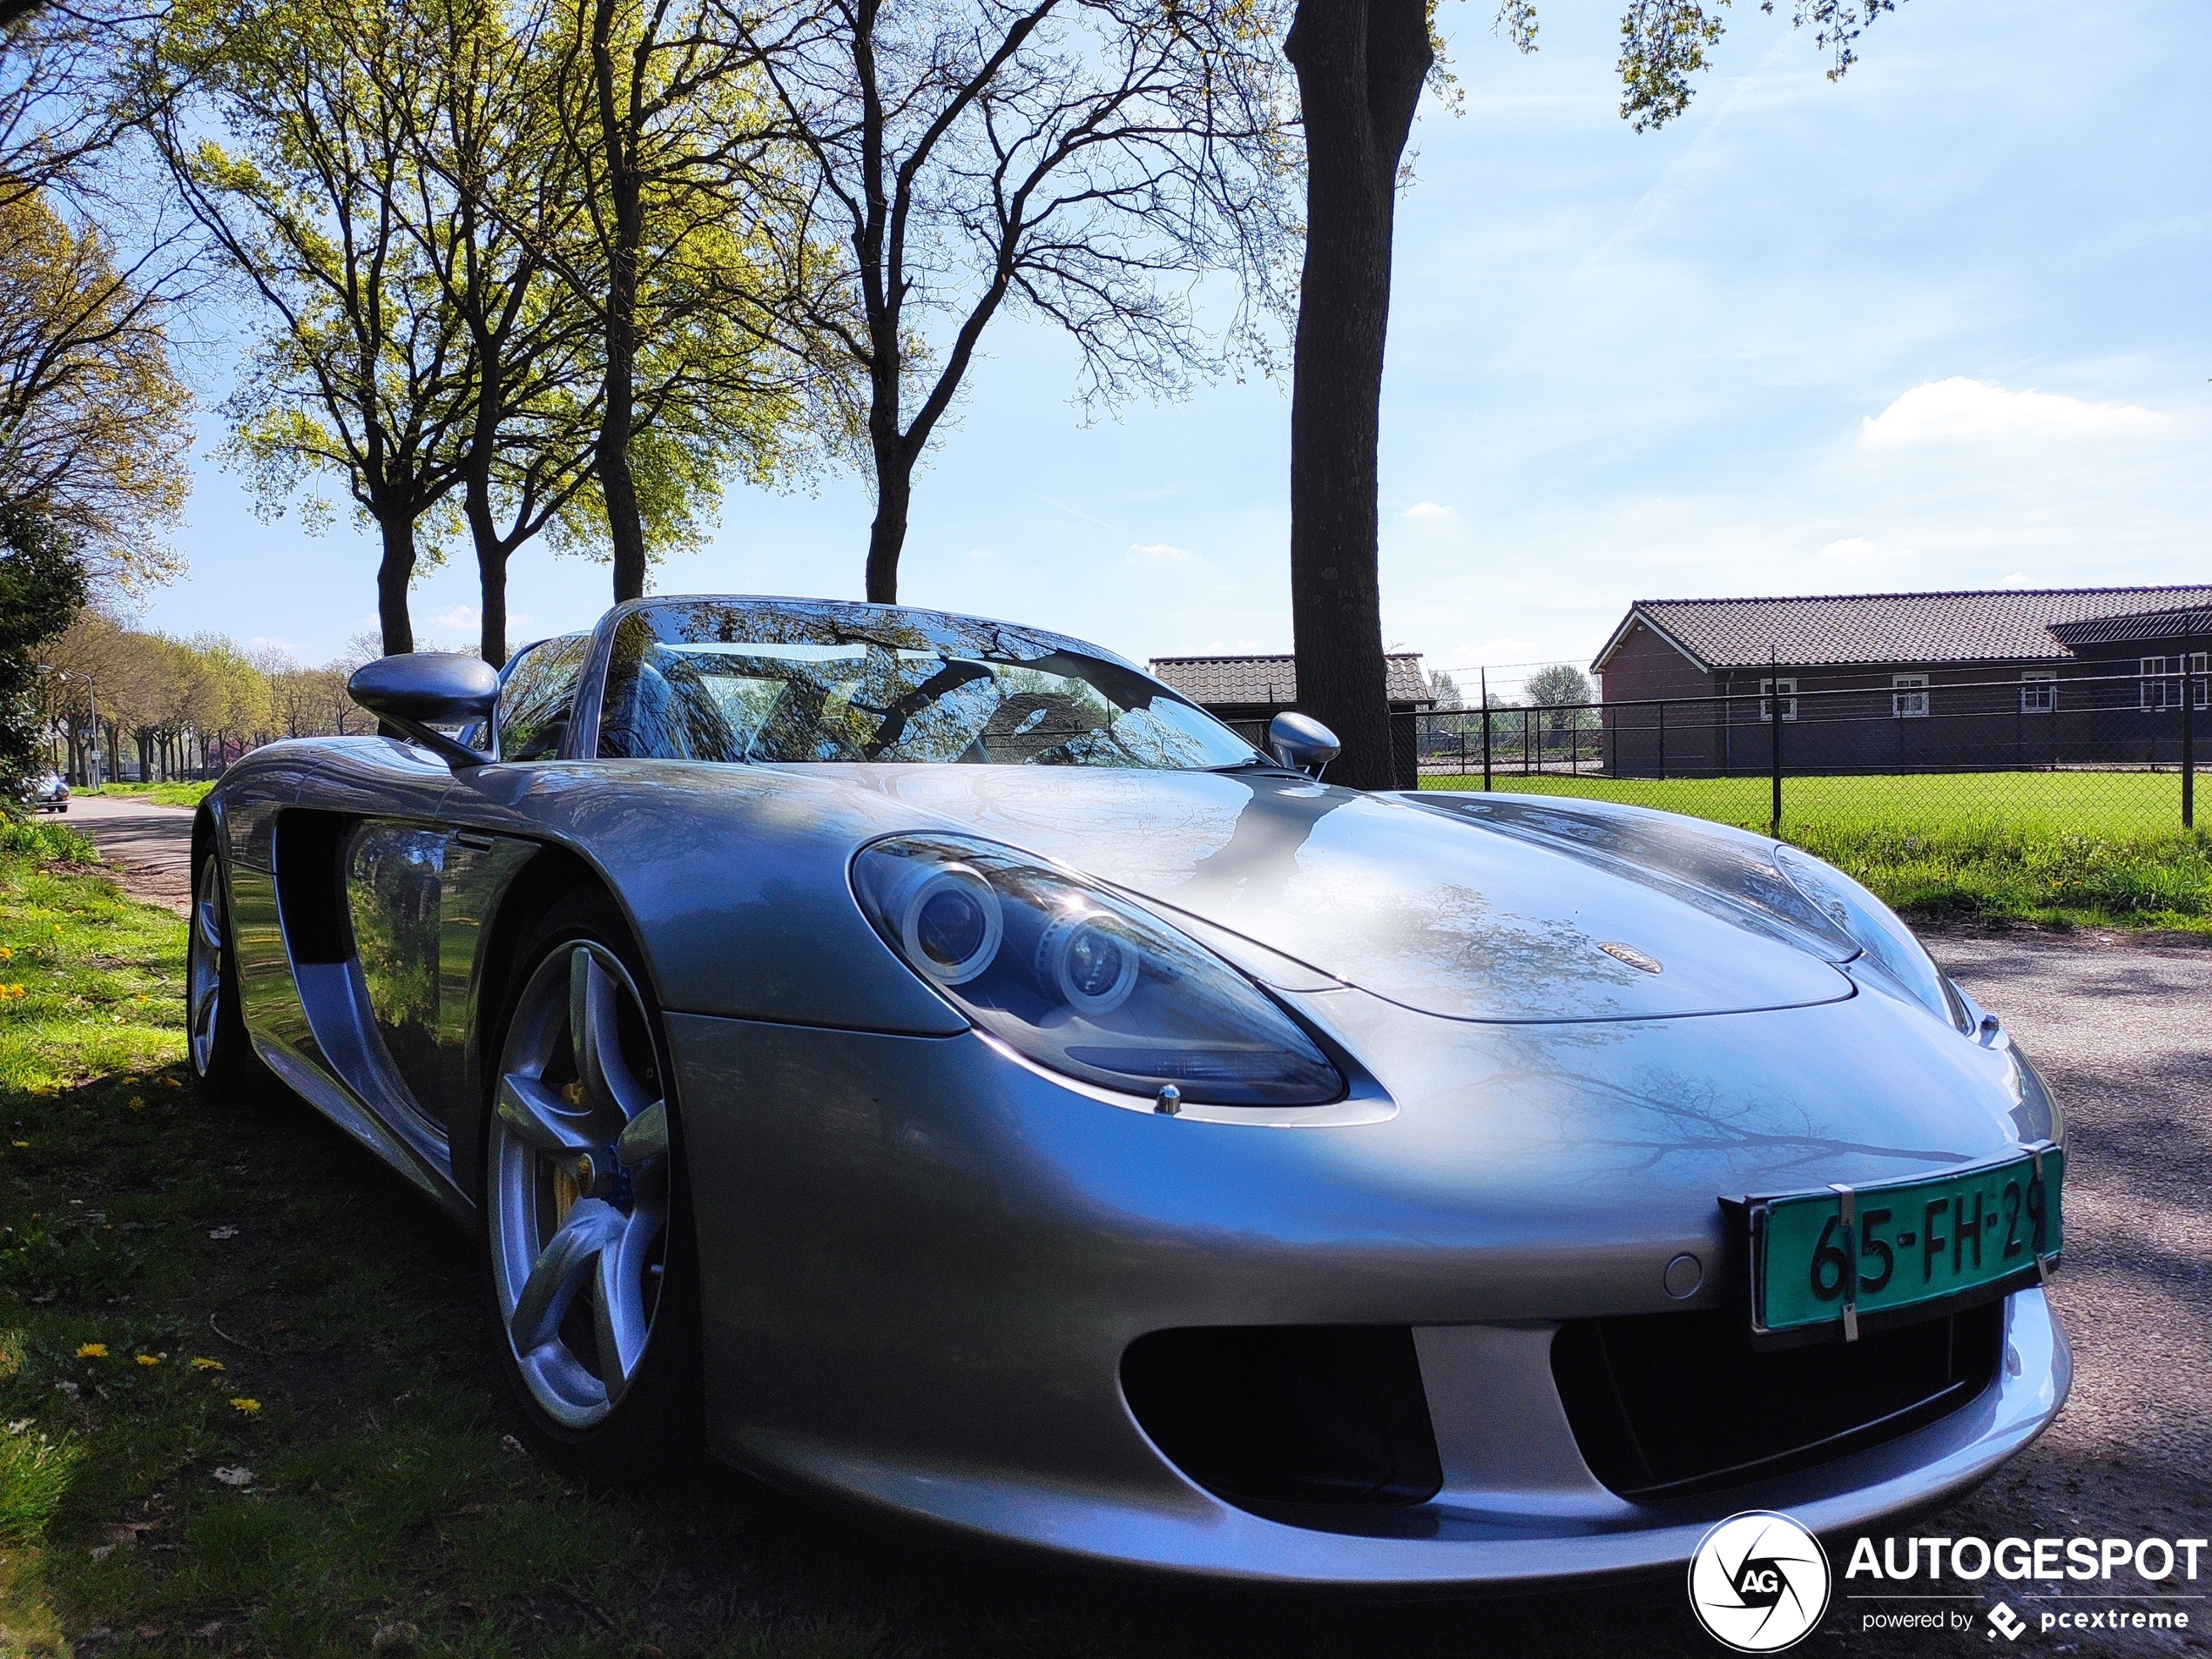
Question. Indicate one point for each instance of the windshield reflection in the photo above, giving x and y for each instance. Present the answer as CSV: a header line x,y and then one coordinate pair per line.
x,y
740,680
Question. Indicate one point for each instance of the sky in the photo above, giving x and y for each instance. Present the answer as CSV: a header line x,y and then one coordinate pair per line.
x,y
1947,323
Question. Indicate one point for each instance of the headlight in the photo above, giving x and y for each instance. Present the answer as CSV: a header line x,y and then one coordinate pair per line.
x,y
1889,944
1082,982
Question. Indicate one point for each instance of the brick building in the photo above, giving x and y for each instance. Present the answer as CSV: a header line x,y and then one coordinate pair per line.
x,y
1934,681
1246,692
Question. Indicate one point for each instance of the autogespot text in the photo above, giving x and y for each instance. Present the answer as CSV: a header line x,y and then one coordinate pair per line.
x,y
2152,1559
2148,1567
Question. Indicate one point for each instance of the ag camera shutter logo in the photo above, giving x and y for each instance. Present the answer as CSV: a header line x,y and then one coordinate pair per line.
x,y
1759,1582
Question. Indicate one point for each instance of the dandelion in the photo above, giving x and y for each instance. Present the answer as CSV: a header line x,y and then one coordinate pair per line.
x,y
149,1358
92,1350
245,1407
6,956
206,1365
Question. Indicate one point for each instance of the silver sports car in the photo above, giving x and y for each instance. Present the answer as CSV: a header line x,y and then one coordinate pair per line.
x,y
928,1061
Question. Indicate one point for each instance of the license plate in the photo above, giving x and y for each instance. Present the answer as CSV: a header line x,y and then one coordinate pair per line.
x,y
1903,1249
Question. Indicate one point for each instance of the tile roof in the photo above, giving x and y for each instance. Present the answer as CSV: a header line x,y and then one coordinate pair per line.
x,y
2186,622
2004,625
1217,681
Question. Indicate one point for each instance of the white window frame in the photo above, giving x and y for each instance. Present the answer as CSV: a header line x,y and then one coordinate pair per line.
x,y
2040,691
2155,696
1788,688
2198,665
1909,696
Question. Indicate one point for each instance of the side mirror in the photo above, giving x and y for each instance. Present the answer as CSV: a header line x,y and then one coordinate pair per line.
x,y
1302,743
421,691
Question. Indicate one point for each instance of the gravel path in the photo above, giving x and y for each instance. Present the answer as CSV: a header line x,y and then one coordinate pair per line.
x,y
150,847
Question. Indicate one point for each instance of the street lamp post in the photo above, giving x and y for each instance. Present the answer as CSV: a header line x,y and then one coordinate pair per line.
x,y
92,694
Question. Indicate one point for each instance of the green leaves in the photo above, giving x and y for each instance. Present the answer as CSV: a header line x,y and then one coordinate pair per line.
x,y
1663,43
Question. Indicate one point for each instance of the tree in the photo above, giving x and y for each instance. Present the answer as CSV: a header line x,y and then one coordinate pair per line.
x,y
95,425
366,372
1560,684
1084,161
1360,68
679,262
496,200
42,583
60,111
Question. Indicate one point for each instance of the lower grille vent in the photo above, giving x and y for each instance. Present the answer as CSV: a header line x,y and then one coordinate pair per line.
x,y
1330,1415
1663,1404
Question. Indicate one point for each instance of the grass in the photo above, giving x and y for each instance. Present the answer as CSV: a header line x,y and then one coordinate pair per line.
x,y
187,794
2071,849
245,1401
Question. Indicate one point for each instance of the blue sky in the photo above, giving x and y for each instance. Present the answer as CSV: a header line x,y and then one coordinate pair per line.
x,y
1948,323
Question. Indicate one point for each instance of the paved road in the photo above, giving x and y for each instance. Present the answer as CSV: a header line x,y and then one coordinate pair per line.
x,y
2122,1029
149,846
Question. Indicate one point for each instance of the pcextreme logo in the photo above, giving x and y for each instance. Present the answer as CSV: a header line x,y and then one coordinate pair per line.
x,y
1759,1582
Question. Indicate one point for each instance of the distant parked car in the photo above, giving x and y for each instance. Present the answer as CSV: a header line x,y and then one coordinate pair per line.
x,y
48,793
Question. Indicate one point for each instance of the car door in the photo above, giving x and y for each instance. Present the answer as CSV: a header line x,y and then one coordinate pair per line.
x,y
418,895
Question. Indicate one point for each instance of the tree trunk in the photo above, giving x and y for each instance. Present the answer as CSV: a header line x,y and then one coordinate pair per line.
x,y
1360,65
483,528
491,578
887,534
394,572
617,487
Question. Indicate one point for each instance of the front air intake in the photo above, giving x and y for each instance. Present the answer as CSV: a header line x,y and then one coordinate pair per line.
x,y
1288,1415
1667,1404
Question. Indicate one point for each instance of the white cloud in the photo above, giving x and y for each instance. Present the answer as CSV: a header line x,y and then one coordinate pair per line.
x,y
1970,410
1428,509
454,617
1159,552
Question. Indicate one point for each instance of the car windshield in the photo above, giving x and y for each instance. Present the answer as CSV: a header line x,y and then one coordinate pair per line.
x,y
792,680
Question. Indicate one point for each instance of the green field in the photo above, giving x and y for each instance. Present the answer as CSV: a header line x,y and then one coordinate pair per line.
x,y
2100,849
187,794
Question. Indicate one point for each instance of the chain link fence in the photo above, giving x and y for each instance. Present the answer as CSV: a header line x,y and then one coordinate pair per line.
x,y
2107,755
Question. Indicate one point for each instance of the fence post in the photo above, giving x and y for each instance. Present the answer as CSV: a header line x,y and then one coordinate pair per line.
x,y
1486,731
1662,743
2188,740
1773,709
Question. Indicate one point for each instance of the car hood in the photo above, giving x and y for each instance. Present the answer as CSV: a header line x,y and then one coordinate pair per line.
x,y
1463,914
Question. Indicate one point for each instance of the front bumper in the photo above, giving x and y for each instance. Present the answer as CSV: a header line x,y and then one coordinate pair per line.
x,y
922,1263
1519,1509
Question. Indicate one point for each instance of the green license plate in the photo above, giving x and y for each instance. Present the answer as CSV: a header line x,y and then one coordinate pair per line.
x,y
1904,1249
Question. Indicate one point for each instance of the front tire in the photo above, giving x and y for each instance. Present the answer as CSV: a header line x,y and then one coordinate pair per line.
x,y
215,1040
590,1271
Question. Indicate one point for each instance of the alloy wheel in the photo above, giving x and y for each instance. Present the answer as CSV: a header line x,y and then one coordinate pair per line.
x,y
577,1184
203,965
